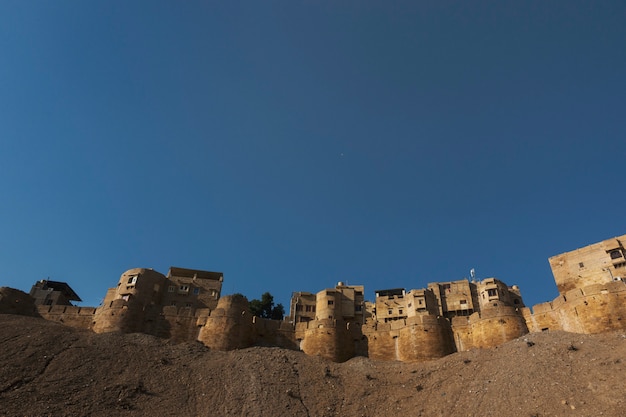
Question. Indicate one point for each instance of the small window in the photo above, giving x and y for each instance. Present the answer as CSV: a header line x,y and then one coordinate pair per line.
x,y
420,302
492,292
298,307
400,311
171,288
173,303
615,254
516,301
410,305
358,308
463,301
196,291
187,304
308,309
581,265
390,312
183,289
48,302
132,280
331,302
446,287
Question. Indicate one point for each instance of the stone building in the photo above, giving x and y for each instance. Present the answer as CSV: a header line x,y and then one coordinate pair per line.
x,y
344,302
592,291
50,293
455,298
594,264
302,307
390,305
190,288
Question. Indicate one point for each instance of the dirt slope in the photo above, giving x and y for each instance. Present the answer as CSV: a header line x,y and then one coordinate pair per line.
x,y
48,369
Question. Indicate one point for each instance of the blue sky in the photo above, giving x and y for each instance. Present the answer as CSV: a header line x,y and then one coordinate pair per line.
x,y
292,145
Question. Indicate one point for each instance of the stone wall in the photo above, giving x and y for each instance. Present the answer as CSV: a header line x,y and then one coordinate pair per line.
x,y
229,326
333,339
418,338
593,309
80,317
491,327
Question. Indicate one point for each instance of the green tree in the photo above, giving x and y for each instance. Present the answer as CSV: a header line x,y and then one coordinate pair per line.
x,y
265,307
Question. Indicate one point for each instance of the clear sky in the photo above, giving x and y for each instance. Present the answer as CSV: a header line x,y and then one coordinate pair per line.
x,y
295,144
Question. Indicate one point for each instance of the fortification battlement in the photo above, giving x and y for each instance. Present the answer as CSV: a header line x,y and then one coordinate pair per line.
x,y
338,323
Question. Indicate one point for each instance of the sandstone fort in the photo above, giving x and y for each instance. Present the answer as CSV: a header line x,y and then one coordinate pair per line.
x,y
338,323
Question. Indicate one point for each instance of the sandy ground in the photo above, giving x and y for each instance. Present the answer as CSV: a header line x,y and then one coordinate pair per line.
x,y
48,369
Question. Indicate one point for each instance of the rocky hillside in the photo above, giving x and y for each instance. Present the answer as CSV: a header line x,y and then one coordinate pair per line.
x,y
48,369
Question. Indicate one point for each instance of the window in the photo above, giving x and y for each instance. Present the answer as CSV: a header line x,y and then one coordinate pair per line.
x,y
298,307
308,309
187,304
463,301
516,301
616,253
400,311
183,289
132,280
196,291
358,308
410,305
581,265
390,312
173,303
171,288
331,302
48,302
492,292
420,302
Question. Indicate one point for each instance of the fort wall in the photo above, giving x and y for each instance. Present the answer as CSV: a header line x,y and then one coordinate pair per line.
x,y
333,339
337,323
274,333
593,309
492,326
229,326
80,317
424,338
